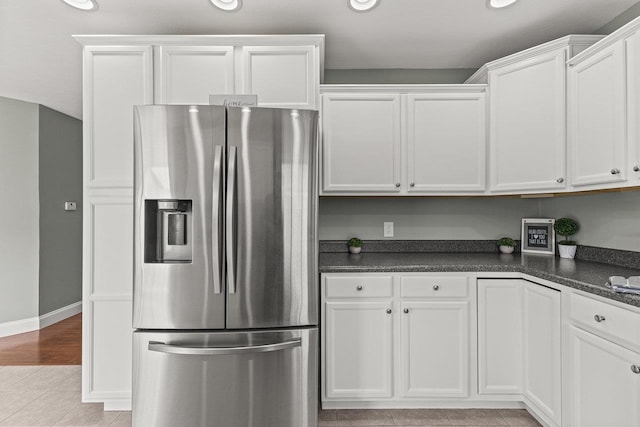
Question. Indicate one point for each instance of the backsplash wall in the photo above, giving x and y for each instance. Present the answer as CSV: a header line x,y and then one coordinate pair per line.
x,y
608,220
432,218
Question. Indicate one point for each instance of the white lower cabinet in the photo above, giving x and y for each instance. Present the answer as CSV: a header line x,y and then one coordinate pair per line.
x,y
359,354
395,337
435,349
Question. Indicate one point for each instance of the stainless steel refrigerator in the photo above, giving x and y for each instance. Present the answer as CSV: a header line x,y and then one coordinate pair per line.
x,y
225,278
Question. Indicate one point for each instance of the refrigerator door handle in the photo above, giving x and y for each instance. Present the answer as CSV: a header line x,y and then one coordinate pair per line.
x,y
215,226
230,244
220,351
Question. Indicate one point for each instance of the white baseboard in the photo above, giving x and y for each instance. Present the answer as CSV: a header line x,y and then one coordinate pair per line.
x,y
19,326
34,323
117,405
56,316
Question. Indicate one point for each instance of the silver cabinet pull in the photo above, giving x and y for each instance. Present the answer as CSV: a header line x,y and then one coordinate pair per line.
x,y
359,287
615,171
560,180
230,243
436,287
215,219
635,369
412,184
599,318
406,310
636,168
219,351
397,184
388,311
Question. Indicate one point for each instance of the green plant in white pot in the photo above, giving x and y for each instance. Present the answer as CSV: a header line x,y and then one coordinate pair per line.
x,y
506,245
566,227
355,245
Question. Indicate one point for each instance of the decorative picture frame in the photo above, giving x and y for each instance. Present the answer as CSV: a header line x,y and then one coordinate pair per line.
x,y
538,236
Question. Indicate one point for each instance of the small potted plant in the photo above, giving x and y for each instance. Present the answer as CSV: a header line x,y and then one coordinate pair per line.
x,y
566,227
506,244
355,245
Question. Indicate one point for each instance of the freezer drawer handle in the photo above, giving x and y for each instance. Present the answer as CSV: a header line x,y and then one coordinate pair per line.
x,y
220,351
231,182
215,226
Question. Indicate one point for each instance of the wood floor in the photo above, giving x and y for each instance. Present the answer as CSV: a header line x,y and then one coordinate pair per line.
x,y
58,344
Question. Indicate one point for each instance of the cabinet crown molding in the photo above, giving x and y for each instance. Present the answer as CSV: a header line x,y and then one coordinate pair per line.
x,y
402,88
620,34
573,40
202,39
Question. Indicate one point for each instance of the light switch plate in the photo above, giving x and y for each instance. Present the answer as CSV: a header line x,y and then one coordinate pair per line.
x,y
70,206
388,229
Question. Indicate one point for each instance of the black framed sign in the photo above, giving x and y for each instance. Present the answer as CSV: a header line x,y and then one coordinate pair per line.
x,y
538,236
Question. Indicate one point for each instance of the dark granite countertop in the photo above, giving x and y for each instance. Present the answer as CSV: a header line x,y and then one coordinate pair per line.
x,y
587,276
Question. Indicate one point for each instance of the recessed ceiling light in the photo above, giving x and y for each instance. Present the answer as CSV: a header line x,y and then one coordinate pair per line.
x,y
363,5
82,4
497,4
227,5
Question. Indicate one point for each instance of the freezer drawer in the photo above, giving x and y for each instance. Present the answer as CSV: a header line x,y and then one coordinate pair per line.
x,y
225,379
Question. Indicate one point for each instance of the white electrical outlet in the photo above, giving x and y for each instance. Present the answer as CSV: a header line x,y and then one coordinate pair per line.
x,y
388,229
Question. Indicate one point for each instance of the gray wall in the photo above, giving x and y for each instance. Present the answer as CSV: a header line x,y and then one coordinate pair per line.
x,y
60,230
609,220
19,212
398,76
620,20
432,218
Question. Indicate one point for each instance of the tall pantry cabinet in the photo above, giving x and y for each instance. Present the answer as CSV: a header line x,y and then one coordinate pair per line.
x,y
123,71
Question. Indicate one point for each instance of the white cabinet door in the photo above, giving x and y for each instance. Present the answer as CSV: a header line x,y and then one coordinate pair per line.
x,y
604,389
282,76
527,124
446,142
361,143
189,74
632,46
115,79
542,353
500,336
597,94
359,350
435,349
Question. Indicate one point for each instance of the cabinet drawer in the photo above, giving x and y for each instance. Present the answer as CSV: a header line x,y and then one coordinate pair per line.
x,y
359,286
434,286
611,321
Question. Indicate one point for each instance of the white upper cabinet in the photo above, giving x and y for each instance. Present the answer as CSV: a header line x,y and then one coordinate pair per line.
x,y
527,116
597,117
527,125
189,74
115,79
282,76
446,134
361,142
406,140
632,46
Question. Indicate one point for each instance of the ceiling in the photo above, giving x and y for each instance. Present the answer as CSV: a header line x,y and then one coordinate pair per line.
x,y
41,63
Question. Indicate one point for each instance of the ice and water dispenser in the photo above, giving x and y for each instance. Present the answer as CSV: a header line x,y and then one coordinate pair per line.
x,y
168,235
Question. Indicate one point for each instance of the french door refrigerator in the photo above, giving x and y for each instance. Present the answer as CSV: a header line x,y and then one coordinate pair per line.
x,y
225,278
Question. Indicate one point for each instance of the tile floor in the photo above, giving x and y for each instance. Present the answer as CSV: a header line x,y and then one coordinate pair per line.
x,y
50,396
427,417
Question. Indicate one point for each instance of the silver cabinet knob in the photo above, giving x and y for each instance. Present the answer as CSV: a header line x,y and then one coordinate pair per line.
x,y
436,287
388,311
615,171
560,180
636,168
359,287
397,184
412,184
599,318
406,310
635,369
